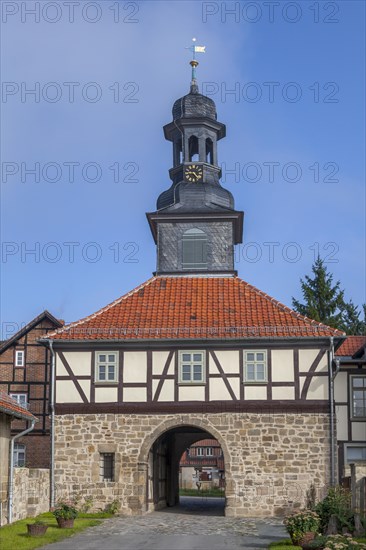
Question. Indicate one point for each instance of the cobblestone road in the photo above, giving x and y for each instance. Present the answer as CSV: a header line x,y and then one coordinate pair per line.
x,y
196,524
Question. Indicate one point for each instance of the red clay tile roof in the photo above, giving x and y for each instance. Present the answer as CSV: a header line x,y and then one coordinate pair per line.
x,y
351,345
9,406
193,308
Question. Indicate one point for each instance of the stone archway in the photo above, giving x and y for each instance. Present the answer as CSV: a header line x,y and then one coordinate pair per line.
x,y
187,429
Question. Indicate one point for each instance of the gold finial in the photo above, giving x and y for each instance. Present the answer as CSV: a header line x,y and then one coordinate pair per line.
x,y
194,63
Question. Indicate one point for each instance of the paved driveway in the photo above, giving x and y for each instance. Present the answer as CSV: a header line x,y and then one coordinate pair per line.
x,y
197,524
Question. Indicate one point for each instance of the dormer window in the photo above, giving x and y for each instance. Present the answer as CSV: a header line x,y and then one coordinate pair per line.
x,y
194,249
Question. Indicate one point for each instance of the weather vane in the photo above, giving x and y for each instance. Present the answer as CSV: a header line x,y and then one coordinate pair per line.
x,y
194,63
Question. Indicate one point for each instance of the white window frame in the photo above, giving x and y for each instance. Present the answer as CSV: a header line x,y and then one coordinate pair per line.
x,y
255,362
20,398
209,451
200,451
181,362
353,416
19,448
106,364
347,446
19,354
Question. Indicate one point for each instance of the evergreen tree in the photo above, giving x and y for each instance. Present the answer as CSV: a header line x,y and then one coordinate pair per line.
x,y
352,324
323,300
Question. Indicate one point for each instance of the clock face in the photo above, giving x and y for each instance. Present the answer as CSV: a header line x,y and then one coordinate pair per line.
x,y
193,173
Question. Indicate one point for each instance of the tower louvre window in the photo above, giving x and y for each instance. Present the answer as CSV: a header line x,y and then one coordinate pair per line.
x,y
209,151
194,249
193,148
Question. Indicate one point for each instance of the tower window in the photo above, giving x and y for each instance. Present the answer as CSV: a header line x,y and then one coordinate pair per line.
x,y
209,151
193,148
194,249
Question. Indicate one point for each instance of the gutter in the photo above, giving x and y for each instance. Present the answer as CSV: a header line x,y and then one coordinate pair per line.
x,y
11,467
332,375
52,407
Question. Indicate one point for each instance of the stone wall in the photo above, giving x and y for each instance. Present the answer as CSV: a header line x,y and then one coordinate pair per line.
x,y
270,459
31,494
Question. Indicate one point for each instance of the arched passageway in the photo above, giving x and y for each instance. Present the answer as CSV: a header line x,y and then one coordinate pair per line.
x,y
163,471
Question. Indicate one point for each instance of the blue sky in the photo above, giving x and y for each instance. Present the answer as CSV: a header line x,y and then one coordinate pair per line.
x,y
295,142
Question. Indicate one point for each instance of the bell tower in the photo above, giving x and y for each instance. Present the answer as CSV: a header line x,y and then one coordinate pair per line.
x,y
195,226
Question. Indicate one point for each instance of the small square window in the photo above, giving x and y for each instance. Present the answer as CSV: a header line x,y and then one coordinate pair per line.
x,y
20,398
19,358
106,367
255,366
355,453
192,367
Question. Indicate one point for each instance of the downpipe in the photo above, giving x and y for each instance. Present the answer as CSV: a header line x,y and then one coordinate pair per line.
x,y
332,375
52,410
11,466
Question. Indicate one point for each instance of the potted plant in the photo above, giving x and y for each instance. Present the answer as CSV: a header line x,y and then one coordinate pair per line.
x,y
302,526
65,514
37,529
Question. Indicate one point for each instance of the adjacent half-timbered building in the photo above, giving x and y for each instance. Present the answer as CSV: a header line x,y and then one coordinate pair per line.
x,y
350,402
25,376
194,353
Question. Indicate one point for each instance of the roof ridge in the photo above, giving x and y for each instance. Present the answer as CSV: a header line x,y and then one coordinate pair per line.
x,y
102,310
287,308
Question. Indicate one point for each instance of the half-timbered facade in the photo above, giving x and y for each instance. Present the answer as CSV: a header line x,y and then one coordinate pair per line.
x,y
194,353
350,403
25,376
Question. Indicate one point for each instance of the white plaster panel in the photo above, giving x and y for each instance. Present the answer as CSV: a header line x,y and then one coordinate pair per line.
x,y
134,394
106,395
60,369
191,393
318,388
158,361
218,390
340,387
85,386
167,391
284,392
212,366
306,358
358,431
323,365
342,422
79,361
255,392
134,366
283,365
301,383
66,392
229,360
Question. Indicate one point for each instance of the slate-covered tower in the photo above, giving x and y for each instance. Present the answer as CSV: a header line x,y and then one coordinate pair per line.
x,y
195,225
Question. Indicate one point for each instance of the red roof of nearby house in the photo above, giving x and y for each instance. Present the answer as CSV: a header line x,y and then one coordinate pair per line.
x,y
9,406
350,346
193,308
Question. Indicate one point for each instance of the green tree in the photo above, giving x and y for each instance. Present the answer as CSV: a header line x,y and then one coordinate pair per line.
x,y
351,322
323,300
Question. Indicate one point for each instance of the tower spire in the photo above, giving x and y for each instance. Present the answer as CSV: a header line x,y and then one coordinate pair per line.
x,y
194,63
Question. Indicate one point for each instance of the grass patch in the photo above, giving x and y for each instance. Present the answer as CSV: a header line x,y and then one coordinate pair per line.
x,y
283,544
195,493
15,536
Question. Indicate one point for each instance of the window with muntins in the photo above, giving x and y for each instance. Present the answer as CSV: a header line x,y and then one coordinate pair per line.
x,y
358,396
19,358
255,366
20,398
19,455
192,367
194,249
107,466
106,368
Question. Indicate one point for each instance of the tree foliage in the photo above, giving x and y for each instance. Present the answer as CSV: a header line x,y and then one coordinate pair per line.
x,y
323,300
